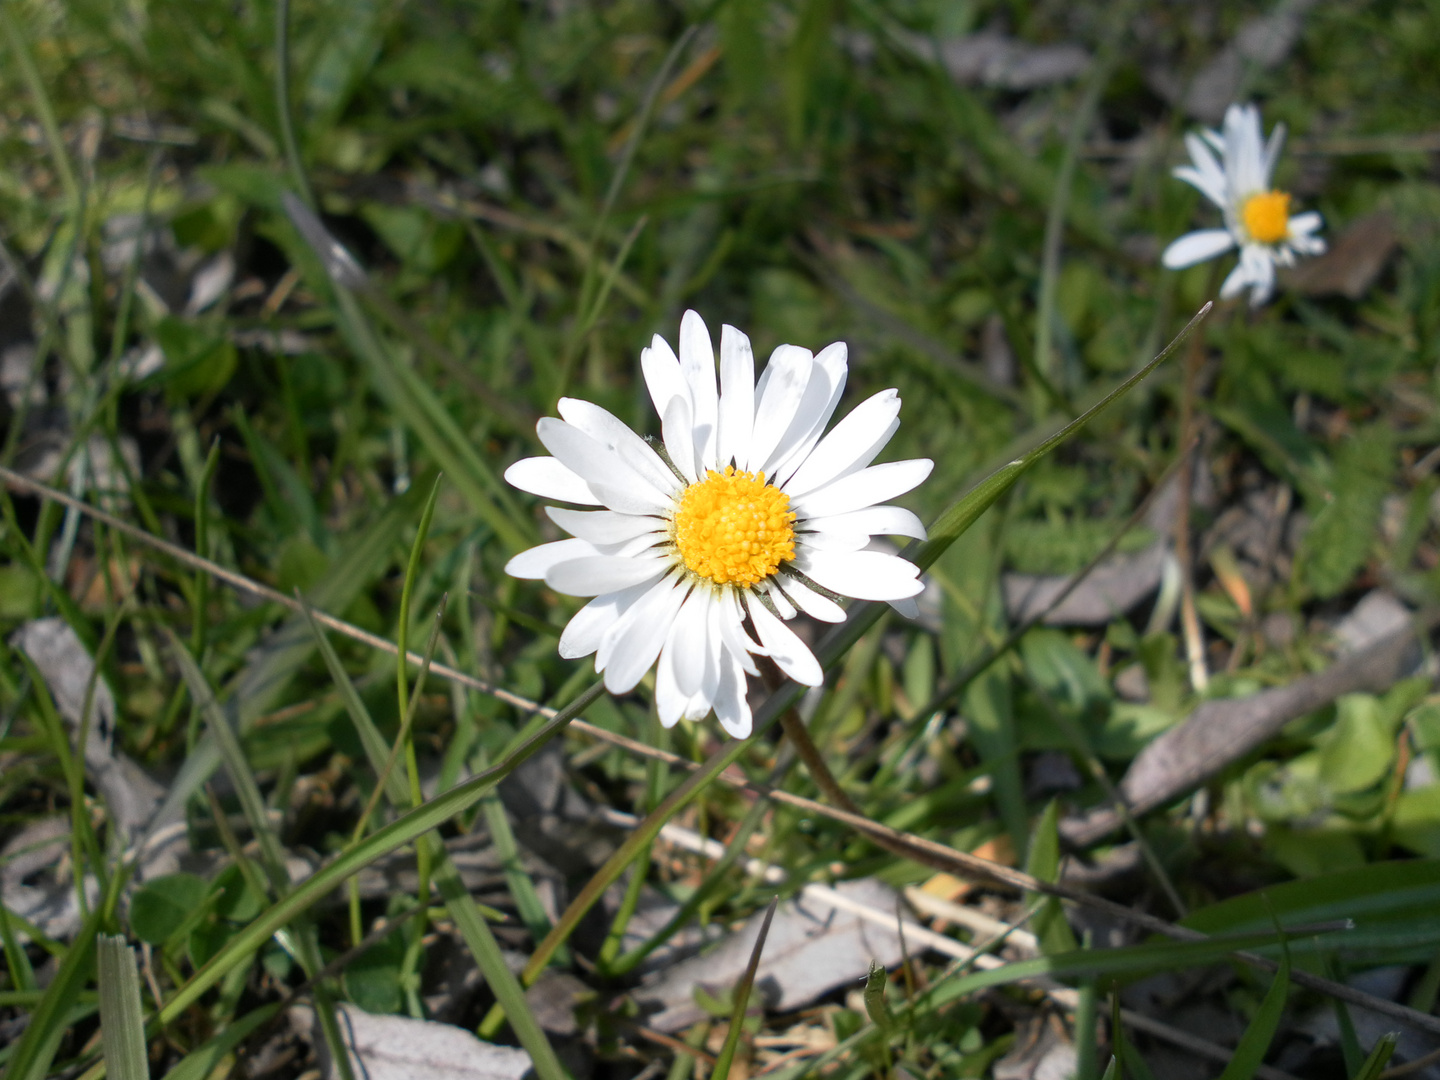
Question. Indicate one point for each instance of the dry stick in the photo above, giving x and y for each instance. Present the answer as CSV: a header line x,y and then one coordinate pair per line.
x,y
1184,555
918,848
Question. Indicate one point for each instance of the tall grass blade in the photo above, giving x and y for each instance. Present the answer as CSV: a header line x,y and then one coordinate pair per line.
x,y
742,998
121,1024
1250,1053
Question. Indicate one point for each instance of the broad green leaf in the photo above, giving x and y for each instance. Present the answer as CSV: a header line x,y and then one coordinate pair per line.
x,y
1338,541
164,905
1043,862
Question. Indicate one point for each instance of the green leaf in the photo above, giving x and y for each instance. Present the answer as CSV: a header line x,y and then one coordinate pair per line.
x,y
372,979
1043,862
1338,541
199,357
164,905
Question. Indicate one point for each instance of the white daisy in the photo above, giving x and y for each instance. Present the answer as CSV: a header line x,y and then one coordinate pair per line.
x,y
746,517
1257,218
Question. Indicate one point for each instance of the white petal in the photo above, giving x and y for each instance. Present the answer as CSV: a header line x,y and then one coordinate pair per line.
x,y
669,701
830,539
865,575
610,431
703,699
908,608
732,708
811,602
1304,224
822,394
737,396
864,432
662,374
602,526
874,520
864,488
786,376
782,604
585,630
732,631
1197,247
787,650
631,645
603,573
1244,151
616,484
1206,173
1262,280
550,479
534,564
1235,282
677,428
689,639
697,364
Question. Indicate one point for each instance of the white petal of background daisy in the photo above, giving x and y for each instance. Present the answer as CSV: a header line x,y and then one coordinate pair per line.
x,y
752,514
1257,217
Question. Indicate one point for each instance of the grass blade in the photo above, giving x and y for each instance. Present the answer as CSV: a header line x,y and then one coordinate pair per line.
x,y
1250,1053
121,1025
742,998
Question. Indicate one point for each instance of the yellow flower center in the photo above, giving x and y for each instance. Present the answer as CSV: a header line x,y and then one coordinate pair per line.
x,y
733,528
1267,216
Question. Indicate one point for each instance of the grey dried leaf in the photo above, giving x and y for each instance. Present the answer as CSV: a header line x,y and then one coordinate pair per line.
x,y
399,1048
1111,589
1219,732
1260,43
36,878
990,58
812,949
67,668
1355,259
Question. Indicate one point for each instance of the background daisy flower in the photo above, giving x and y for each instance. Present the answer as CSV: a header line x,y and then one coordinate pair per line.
x,y
1257,218
751,515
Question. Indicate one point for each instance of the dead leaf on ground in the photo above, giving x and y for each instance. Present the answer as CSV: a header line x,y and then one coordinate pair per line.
x,y
812,949
990,58
1355,259
399,1048
1220,732
36,878
1118,584
1261,43
67,668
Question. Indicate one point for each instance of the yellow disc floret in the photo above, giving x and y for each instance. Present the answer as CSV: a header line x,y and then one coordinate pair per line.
x,y
1267,216
734,528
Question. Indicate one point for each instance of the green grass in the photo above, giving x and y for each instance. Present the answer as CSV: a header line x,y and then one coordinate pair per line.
x,y
530,192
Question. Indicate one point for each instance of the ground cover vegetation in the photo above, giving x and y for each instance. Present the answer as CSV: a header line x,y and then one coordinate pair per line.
x,y
1145,787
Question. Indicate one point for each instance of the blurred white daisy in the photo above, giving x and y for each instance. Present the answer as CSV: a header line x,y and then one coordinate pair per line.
x,y
744,517
1257,218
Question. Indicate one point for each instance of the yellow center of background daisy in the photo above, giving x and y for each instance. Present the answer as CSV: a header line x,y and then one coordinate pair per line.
x,y
733,528
1267,216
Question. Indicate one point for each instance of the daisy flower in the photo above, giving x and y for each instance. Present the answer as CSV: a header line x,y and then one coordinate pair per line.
x,y
743,515
1257,217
